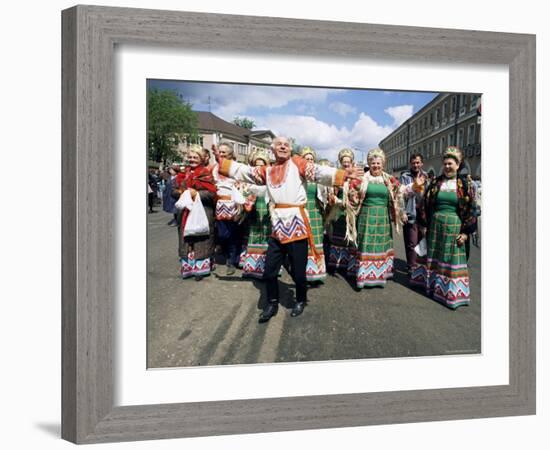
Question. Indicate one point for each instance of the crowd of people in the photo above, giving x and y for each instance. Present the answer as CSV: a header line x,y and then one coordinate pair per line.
x,y
299,213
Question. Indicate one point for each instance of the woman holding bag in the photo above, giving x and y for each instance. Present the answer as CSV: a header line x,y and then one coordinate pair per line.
x,y
195,250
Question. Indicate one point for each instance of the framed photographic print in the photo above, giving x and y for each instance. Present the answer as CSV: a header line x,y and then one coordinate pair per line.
x,y
121,321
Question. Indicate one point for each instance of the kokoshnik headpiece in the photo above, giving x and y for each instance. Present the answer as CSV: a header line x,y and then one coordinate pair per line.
x,y
345,152
453,152
258,154
376,153
308,151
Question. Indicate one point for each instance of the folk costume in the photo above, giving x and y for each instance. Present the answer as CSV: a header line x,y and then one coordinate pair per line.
x,y
315,269
195,252
259,225
340,249
448,210
375,202
290,225
229,216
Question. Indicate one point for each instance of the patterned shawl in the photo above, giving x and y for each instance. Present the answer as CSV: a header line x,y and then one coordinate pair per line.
x,y
466,202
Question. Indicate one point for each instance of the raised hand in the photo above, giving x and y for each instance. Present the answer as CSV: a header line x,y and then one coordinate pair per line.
x,y
355,173
216,152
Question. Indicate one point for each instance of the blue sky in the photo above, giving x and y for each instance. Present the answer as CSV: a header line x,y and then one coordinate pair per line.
x,y
325,119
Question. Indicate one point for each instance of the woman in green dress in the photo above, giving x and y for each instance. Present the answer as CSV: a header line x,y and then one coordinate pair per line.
x,y
315,270
253,259
448,211
375,202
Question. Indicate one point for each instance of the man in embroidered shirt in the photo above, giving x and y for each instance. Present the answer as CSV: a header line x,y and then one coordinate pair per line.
x,y
414,183
291,231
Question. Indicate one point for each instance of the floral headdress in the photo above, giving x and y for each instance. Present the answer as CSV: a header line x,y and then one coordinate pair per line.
x,y
453,152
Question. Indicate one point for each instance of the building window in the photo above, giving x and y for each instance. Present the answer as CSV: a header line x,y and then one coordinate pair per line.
x,y
471,133
437,111
431,119
461,99
445,110
450,140
434,148
473,101
453,104
460,137
442,146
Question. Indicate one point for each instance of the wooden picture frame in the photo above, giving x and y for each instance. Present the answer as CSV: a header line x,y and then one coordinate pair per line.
x,y
89,35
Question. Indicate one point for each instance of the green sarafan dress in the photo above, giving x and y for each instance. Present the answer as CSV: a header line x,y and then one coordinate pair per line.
x,y
444,270
315,269
373,261
253,259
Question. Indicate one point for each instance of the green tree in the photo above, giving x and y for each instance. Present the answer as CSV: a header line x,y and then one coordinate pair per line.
x,y
244,122
169,122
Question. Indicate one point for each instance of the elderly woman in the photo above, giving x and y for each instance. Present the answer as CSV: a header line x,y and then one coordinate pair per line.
x,y
253,260
448,212
195,251
229,214
340,249
375,202
315,270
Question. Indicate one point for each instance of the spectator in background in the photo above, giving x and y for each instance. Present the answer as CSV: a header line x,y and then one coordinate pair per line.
x,y
168,201
413,183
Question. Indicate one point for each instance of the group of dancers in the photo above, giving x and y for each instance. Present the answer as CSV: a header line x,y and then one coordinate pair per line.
x,y
314,218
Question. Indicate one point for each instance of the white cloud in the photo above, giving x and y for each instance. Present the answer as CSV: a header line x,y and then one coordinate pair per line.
x,y
326,138
228,101
399,113
342,108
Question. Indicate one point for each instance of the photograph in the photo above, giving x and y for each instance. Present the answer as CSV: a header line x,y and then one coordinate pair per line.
x,y
294,224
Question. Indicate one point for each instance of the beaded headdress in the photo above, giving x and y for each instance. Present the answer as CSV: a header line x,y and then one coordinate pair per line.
x,y
376,153
345,152
258,154
308,151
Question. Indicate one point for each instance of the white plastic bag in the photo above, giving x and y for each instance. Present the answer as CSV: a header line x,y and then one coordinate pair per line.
x,y
422,248
185,201
236,196
197,222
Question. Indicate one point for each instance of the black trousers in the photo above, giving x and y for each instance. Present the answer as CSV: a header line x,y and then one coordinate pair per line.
x,y
297,254
412,235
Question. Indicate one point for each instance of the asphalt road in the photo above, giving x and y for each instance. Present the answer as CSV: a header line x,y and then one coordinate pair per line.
x,y
215,321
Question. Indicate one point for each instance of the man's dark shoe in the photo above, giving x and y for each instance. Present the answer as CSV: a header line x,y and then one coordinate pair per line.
x,y
269,311
199,278
298,309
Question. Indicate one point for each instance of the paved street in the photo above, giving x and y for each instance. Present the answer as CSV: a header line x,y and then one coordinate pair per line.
x,y
215,321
